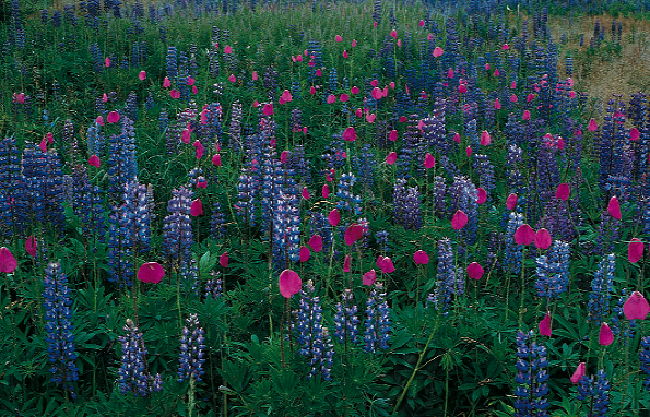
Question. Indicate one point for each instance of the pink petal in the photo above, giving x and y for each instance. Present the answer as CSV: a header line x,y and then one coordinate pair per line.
x,y
545,328
634,134
347,263
525,235
94,161
7,261
113,117
370,277
334,217
304,254
605,337
636,307
420,257
468,151
635,250
393,135
151,273
562,191
216,160
614,208
578,373
386,266
459,220
593,126
353,233
316,243
224,259
349,134
290,283
475,270
486,139
325,191
481,195
511,201
267,109
305,193
437,52
391,158
429,161
456,137
196,208
543,239
30,245
142,75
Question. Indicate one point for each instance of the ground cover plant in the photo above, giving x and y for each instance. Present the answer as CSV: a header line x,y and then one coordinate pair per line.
x,y
228,208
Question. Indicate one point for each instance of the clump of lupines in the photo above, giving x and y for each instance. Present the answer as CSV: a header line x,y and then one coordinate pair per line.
x,y
596,390
191,344
177,226
133,375
531,377
377,323
406,206
553,270
602,288
345,318
58,328
214,286
450,281
313,339
513,254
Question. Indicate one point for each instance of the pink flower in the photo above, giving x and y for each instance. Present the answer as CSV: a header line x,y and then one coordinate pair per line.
x,y
475,270
224,260
486,139
393,135
391,158
578,373
420,257
232,78
227,49
7,261
369,278
393,34
347,263
325,191
614,208
593,126
94,161
216,160
511,201
30,245
349,134
456,137
196,208
462,88
286,96
634,134
99,120
316,243
459,220
338,38
305,193
254,76
563,191
199,149
303,254
113,117
353,233
635,250
468,151
497,103
525,235
334,217
437,52
525,115
545,328
175,94
290,283
605,336
481,195
429,161
142,75
151,273
543,239
166,82
385,265
267,109
636,307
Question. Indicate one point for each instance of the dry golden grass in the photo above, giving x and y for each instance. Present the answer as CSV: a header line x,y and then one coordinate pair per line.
x,y
624,75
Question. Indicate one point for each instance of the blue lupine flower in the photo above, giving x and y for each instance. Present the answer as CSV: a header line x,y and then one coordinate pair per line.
x,y
345,318
463,196
601,390
644,359
58,328
214,286
602,287
377,323
348,201
553,271
450,281
406,206
177,226
191,358
513,255
132,375
531,377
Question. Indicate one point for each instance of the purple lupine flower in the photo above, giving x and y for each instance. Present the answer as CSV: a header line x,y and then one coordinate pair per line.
x,y
177,226
214,286
450,281
644,359
513,255
120,245
596,391
345,318
191,358
132,375
217,222
348,201
122,160
463,196
531,377
602,288
377,324
406,206
553,271
58,328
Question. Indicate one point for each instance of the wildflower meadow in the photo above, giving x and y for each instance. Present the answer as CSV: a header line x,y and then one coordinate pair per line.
x,y
386,208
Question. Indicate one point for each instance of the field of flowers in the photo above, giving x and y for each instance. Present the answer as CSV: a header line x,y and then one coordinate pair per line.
x,y
325,208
